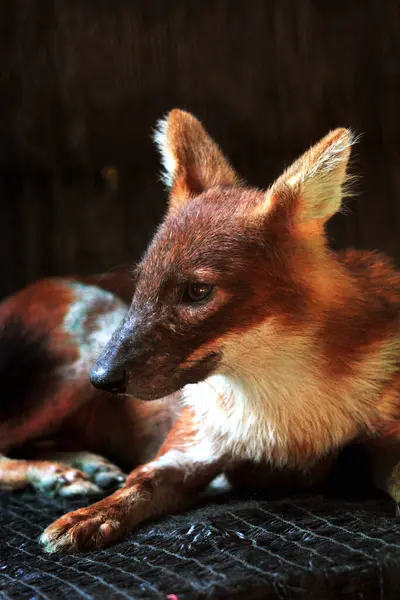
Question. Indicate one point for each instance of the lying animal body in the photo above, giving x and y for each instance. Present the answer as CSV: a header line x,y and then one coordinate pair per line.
x,y
246,348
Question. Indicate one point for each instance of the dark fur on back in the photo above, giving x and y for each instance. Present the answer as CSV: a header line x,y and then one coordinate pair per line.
x,y
26,366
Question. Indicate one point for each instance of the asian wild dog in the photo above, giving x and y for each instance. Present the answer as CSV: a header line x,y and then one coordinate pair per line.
x,y
257,346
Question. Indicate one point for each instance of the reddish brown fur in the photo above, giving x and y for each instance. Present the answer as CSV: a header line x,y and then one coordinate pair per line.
x,y
369,317
73,410
302,344
41,307
201,165
252,265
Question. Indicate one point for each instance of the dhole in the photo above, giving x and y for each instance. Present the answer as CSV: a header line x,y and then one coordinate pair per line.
x,y
262,352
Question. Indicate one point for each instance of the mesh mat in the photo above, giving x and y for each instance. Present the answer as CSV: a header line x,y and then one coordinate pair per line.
x,y
301,547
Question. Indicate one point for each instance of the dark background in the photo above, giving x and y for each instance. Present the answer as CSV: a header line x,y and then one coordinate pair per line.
x,y
84,81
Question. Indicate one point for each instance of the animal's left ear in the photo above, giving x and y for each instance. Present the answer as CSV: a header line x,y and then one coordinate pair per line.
x,y
317,181
192,161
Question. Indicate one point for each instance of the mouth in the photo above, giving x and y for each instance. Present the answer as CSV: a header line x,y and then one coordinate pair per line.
x,y
197,372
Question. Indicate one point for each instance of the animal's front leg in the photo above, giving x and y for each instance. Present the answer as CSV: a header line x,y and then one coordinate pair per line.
x,y
169,483
151,491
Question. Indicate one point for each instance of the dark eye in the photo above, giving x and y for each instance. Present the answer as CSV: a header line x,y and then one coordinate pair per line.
x,y
196,291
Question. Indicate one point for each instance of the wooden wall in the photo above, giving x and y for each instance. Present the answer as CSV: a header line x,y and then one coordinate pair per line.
x,y
83,82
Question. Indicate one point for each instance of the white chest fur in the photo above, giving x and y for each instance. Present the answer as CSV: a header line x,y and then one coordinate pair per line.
x,y
240,419
276,403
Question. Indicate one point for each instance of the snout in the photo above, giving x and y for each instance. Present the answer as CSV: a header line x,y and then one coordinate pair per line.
x,y
125,358
110,371
141,362
109,380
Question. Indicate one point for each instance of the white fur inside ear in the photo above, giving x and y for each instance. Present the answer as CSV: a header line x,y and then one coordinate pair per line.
x,y
332,160
168,160
322,177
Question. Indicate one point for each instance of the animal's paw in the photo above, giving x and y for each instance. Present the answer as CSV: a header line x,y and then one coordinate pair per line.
x,y
100,471
82,530
60,480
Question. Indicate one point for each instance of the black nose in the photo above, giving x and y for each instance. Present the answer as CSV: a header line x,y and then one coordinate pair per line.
x,y
114,381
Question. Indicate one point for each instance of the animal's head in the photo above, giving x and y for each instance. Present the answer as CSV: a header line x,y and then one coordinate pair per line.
x,y
226,260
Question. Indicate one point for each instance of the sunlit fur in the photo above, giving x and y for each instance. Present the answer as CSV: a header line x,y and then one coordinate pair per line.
x,y
320,176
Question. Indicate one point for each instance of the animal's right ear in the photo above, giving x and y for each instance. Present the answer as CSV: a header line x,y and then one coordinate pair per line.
x,y
314,185
192,161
